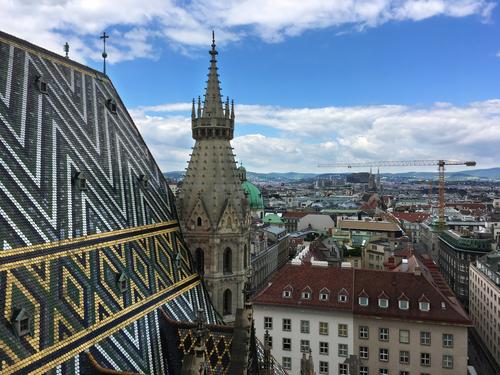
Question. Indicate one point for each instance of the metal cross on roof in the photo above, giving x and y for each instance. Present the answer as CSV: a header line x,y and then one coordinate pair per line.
x,y
104,36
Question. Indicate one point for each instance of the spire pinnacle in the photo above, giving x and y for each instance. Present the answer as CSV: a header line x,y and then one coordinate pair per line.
x,y
213,103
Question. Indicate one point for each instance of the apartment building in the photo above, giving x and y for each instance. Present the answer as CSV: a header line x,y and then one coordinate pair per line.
x,y
484,301
394,322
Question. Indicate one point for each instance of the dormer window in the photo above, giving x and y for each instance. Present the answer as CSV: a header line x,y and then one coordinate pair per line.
x,y
404,304
287,292
22,323
424,306
111,105
42,85
343,296
306,293
363,301
383,303
324,295
121,281
383,300
144,181
423,303
80,180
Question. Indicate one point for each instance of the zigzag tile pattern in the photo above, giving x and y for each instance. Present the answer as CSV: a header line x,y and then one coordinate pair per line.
x,y
63,246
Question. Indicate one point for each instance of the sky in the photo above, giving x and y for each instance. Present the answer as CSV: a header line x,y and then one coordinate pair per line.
x,y
313,81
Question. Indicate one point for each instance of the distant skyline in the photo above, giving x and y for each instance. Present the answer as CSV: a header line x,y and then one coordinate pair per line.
x,y
312,81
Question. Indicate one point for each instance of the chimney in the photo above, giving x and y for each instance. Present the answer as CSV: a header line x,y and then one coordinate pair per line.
x,y
418,271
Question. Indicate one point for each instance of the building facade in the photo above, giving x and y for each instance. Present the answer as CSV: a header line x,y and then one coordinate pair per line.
x,y
392,322
484,301
214,211
456,252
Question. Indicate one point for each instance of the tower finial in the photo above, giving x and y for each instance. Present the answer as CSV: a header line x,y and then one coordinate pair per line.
x,y
213,37
104,36
66,49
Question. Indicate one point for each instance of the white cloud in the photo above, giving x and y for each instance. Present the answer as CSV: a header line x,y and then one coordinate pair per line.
x,y
303,137
136,24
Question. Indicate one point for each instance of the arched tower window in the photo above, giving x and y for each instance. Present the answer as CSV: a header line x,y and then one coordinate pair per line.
x,y
200,261
198,221
227,302
245,254
227,266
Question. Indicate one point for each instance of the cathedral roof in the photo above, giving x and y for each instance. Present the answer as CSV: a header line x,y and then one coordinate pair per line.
x,y
91,242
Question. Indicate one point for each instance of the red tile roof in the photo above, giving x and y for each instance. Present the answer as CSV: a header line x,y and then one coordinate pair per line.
x,y
412,217
371,282
300,277
295,214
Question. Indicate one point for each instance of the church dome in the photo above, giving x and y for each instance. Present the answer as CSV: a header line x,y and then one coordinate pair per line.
x,y
254,195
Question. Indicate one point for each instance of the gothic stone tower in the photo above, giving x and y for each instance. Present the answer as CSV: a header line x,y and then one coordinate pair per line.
x,y
213,208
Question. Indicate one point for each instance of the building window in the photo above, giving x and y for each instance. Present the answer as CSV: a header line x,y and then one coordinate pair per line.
x,y
404,336
323,328
121,281
404,304
447,361
342,330
198,221
287,294
304,346
383,354
363,352
343,296
383,334
404,357
383,303
404,373
447,340
424,306
363,332
383,371
42,85
268,322
343,369
425,359
324,295
323,348
343,349
287,325
287,344
306,294
227,302
227,266
363,301
363,370
22,323
111,105
425,338
200,261
323,367
304,326
287,363
80,180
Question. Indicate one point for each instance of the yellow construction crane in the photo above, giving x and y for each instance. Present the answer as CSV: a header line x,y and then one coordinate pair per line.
x,y
411,163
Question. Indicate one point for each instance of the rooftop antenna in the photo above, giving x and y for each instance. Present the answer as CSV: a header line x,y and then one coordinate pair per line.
x,y
66,49
104,36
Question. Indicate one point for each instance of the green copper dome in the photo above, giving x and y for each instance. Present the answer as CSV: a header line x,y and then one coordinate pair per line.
x,y
253,195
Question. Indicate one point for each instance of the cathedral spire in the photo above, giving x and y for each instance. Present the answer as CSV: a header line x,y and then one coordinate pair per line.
x,y
213,103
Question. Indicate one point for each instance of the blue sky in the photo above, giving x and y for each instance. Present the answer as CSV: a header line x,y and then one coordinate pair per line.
x,y
313,81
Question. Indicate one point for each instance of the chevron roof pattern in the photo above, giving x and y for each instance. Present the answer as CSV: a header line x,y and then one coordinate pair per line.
x,y
90,246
